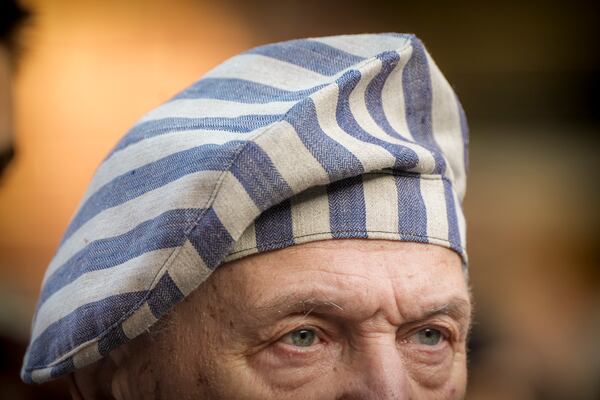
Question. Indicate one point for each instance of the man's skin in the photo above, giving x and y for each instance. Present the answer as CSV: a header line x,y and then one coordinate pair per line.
x,y
335,319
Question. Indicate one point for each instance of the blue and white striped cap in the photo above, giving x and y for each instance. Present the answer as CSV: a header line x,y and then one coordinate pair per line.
x,y
339,137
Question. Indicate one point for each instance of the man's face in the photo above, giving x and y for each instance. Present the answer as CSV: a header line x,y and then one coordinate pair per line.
x,y
336,319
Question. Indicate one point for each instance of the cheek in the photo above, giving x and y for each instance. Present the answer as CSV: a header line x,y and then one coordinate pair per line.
x,y
457,385
442,372
282,368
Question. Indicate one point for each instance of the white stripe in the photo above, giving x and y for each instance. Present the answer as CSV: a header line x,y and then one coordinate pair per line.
x,y
246,244
358,104
214,108
133,275
446,127
234,207
310,214
460,217
41,375
139,321
371,156
86,355
392,97
358,108
432,191
153,149
365,45
190,270
381,201
299,168
268,71
190,191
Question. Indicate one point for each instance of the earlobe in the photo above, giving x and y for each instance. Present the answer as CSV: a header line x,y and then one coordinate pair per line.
x,y
121,375
94,381
73,389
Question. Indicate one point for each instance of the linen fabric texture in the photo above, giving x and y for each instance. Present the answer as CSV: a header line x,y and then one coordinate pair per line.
x,y
356,136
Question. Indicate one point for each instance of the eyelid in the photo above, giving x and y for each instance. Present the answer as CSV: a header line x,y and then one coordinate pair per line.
x,y
449,334
318,331
446,335
304,327
326,329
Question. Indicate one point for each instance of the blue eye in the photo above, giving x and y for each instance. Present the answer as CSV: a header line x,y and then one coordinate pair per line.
x,y
301,338
428,337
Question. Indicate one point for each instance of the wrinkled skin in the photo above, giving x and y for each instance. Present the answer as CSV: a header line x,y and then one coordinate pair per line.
x,y
336,319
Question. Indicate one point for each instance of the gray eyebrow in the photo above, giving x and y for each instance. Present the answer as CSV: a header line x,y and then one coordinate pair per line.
x,y
456,307
293,304
313,303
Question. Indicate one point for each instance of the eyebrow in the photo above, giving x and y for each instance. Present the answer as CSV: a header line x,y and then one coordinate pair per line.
x,y
293,304
456,308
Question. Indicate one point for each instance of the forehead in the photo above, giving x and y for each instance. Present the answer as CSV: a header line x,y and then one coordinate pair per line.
x,y
358,274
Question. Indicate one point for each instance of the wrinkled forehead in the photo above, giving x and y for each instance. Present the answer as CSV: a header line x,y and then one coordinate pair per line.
x,y
351,279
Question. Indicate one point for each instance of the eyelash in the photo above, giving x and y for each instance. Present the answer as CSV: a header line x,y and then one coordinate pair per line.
x,y
447,334
289,349
448,338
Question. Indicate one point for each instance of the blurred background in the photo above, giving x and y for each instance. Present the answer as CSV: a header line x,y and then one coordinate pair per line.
x,y
75,75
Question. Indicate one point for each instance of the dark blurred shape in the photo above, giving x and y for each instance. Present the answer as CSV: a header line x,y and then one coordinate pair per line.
x,y
6,155
12,18
11,388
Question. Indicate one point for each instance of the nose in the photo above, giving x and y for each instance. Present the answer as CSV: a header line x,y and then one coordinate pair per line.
x,y
379,373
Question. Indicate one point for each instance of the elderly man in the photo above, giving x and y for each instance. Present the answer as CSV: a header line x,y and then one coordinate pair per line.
x,y
289,227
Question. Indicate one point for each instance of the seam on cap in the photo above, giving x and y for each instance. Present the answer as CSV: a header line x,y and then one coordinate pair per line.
x,y
410,235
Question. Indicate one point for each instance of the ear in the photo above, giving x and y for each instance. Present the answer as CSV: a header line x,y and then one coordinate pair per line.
x,y
95,382
73,388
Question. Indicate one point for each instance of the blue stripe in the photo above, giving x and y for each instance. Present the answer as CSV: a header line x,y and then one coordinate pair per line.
x,y
255,171
210,239
412,215
347,213
453,232
373,94
113,339
90,320
64,367
134,183
165,295
337,161
274,229
242,91
80,326
418,102
149,129
405,158
309,54
166,230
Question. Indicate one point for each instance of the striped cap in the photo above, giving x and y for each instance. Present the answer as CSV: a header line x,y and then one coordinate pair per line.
x,y
339,137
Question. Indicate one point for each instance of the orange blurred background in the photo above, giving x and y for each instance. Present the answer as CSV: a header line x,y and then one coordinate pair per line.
x,y
527,76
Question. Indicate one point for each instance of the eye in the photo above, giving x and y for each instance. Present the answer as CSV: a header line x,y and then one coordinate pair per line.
x,y
428,337
304,337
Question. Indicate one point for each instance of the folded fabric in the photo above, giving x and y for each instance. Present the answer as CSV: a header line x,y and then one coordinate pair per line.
x,y
355,136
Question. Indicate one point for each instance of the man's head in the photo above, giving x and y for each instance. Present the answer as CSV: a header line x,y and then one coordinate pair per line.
x,y
292,225
344,319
